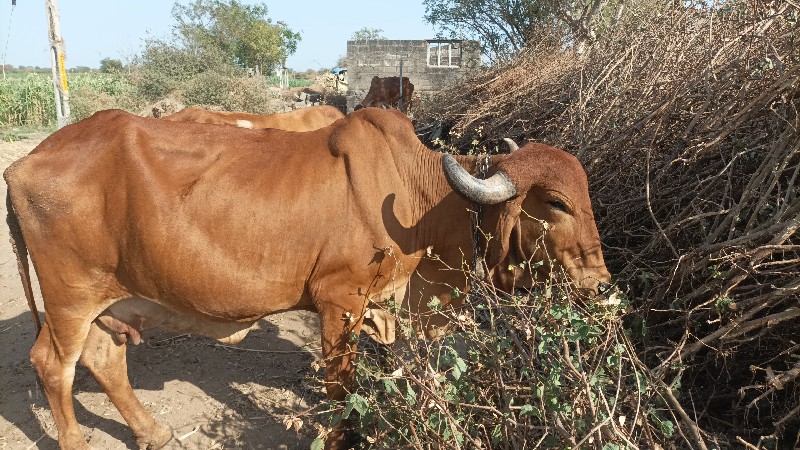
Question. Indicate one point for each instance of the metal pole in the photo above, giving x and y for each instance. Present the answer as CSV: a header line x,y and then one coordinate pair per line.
x,y
401,85
58,65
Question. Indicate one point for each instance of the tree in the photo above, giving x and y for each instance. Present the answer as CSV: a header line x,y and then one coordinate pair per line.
x,y
583,18
504,27
243,32
108,65
367,34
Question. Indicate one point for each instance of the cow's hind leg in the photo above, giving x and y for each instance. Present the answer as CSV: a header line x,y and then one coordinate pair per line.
x,y
54,355
106,360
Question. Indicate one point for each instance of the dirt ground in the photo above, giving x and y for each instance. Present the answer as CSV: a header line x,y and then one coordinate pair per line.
x,y
213,397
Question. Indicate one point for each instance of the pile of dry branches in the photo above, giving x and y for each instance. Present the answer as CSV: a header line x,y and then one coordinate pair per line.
x,y
686,119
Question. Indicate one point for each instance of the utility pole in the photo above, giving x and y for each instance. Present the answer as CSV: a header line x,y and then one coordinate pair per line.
x,y
57,59
400,104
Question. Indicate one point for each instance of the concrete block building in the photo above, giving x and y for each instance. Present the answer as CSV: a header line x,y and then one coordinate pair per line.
x,y
429,64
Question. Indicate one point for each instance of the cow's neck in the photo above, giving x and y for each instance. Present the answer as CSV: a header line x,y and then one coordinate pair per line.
x,y
485,217
441,216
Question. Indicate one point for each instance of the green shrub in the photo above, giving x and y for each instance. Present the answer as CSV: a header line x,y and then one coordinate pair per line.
x,y
152,85
208,88
198,76
533,370
86,102
95,92
253,95
164,68
232,93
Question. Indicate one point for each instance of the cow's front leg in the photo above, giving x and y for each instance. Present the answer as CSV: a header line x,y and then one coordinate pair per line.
x,y
341,323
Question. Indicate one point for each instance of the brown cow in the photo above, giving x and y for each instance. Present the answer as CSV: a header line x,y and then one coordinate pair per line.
x,y
305,119
135,223
385,93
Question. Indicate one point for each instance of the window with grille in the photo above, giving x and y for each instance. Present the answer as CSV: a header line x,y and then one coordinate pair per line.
x,y
444,54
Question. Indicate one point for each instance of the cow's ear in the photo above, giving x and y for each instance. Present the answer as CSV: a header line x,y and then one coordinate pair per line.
x,y
504,217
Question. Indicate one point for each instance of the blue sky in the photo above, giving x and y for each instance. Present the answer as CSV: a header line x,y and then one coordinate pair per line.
x,y
95,29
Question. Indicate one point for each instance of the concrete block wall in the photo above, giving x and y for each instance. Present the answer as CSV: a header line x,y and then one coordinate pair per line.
x,y
366,59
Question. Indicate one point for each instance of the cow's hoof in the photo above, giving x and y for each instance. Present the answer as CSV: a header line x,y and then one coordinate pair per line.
x,y
158,438
73,441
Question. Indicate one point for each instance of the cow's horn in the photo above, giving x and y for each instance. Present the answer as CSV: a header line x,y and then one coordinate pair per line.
x,y
512,146
495,189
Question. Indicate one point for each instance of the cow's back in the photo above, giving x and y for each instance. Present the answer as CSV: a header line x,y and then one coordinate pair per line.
x,y
305,119
194,114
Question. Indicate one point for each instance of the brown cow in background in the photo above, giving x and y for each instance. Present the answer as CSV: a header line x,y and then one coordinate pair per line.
x,y
385,93
305,119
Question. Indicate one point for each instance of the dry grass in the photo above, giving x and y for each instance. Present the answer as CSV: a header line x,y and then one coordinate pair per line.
x,y
687,123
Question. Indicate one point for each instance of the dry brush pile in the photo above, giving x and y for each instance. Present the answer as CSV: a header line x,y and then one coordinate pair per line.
x,y
686,120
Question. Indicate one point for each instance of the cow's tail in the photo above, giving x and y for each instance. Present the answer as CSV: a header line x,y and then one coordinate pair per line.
x,y
21,250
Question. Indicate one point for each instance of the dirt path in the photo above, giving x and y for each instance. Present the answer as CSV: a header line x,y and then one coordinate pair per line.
x,y
220,398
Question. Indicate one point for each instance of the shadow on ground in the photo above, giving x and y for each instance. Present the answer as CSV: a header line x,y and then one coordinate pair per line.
x,y
218,397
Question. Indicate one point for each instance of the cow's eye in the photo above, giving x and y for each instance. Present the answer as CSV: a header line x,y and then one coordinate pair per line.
x,y
555,204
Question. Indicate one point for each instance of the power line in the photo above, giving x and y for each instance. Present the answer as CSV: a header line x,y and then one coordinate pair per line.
x,y
8,36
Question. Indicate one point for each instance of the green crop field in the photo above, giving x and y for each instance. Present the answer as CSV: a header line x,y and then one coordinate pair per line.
x,y
27,99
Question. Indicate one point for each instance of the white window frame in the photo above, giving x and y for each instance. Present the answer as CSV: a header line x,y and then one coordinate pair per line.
x,y
447,58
